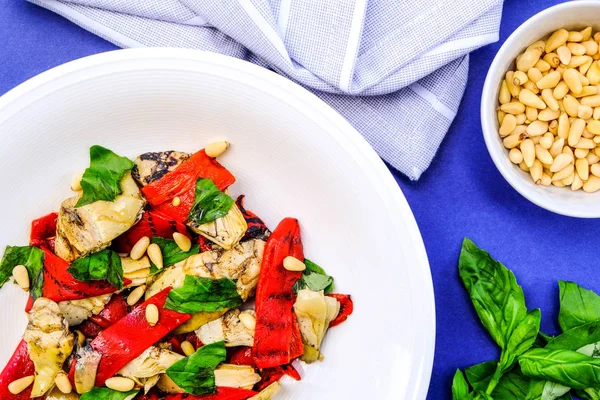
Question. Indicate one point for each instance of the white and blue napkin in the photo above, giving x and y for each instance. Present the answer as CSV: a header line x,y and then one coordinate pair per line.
x,y
395,69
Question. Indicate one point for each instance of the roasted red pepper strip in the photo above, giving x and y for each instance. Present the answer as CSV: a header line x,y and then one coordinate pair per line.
x,y
241,356
90,329
130,336
270,375
19,366
152,224
205,244
43,231
346,308
181,183
222,393
115,309
256,227
59,284
276,328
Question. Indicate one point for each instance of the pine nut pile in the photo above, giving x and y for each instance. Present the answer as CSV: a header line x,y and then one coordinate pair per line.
x,y
549,111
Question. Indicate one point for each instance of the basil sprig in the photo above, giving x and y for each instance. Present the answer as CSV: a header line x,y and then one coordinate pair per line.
x,y
209,204
33,260
314,278
200,294
196,374
171,252
102,266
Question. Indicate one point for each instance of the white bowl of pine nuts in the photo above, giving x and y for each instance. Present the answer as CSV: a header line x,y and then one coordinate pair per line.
x,y
540,109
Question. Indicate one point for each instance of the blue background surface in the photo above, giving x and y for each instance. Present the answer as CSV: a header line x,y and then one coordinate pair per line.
x,y
461,195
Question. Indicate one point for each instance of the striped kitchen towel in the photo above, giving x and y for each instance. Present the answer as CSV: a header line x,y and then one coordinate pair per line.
x,y
395,69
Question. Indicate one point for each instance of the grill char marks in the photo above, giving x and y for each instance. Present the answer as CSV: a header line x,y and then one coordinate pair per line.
x,y
150,167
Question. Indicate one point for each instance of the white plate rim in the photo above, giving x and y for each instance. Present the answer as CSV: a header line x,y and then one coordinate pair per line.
x,y
420,275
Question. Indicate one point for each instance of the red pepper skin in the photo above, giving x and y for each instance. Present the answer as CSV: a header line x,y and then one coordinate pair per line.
x,y
181,183
90,329
19,366
256,227
29,304
43,231
346,308
242,356
270,375
222,393
277,333
130,336
59,284
116,309
152,224
205,244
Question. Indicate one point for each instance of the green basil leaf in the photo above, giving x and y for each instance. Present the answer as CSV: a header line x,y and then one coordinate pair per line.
x,y
104,393
567,367
589,393
460,387
521,339
171,252
553,390
498,299
513,385
33,260
577,305
577,337
102,266
196,374
210,203
102,180
203,295
314,278
479,375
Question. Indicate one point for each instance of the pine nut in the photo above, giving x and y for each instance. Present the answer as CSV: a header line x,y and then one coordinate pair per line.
x,y
576,49
76,182
548,114
536,171
585,112
514,107
595,170
561,90
556,40
542,65
592,158
583,167
21,276
529,59
535,139
155,255
248,320
563,126
177,200
535,75
549,81
215,149
152,314
514,90
583,69
531,114
569,179
524,167
504,95
62,382
520,129
521,119
586,91
586,33
120,384
546,180
184,243
17,386
550,58
584,81
501,114
536,128
560,162
557,147
576,131
591,47
596,139
293,264
593,127
563,173
593,73
587,135
530,99
558,184
564,54
515,156
571,105
547,140
575,36
577,183
591,101
596,115
584,143
550,101
571,78
135,295
528,150
543,155
592,185
139,249
581,153
596,152
187,348
538,45
553,127
512,141
519,78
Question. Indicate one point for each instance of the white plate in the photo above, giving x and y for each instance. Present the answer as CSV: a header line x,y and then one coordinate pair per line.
x,y
292,155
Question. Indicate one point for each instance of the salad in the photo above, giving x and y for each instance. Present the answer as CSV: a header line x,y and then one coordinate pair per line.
x,y
152,282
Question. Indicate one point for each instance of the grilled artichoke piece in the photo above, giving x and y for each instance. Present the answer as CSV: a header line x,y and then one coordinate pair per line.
x,y
314,312
49,343
91,228
170,277
237,376
229,329
56,394
152,166
77,311
151,362
268,392
86,367
226,231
